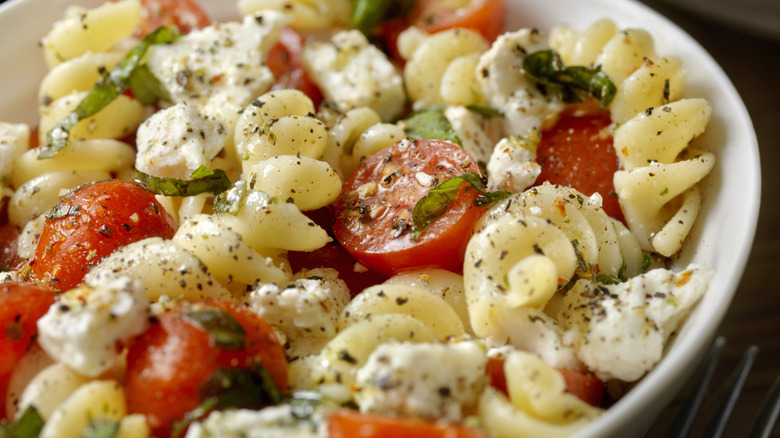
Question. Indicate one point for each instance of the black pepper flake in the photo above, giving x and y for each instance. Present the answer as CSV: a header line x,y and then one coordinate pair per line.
x,y
401,300
346,357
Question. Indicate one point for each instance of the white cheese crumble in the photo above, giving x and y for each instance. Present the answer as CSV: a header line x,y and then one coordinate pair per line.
x,y
474,131
219,69
513,165
436,381
507,88
306,310
620,330
353,73
86,326
175,141
271,422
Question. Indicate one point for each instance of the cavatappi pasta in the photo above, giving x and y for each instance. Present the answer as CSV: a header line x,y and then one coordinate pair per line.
x,y
549,280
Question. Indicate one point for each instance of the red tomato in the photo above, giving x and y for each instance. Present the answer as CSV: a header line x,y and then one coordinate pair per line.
x,y
352,424
586,386
21,305
186,15
373,213
484,16
167,365
90,224
577,152
9,240
285,60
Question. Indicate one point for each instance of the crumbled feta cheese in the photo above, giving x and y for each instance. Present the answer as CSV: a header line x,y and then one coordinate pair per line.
x,y
219,69
84,328
473,131
14,141
175,141
271,422
306,311
353,73
506,87
437,381
513,165
619,330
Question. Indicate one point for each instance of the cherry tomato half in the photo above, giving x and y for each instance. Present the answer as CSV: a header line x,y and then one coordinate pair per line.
x,y
285,60
168,364
484,16
9,243
21,305
91,223
577,152
373,215
352,424
186,15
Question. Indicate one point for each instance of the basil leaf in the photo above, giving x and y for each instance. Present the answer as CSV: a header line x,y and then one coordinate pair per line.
x,y
251,388
367,14
204,180
431,124
101,428
647,260
108,87
223,328
146,87
485,111
433,205
29,425
572,84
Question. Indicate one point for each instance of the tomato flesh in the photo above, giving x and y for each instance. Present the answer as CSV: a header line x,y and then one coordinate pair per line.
x,y
352,424
168,363
285,60
186,15
90,224
577,152
21,305
9,244
373,216
484,16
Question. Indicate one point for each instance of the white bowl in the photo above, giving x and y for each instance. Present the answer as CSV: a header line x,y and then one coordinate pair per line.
x,y
721,238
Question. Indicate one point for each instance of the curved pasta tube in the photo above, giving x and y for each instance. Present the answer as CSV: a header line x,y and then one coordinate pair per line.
x,y
306,182
304,14
118,119
655,83
95,30
344,132
538,404
163,268
660,134
624,53
582,49
349,350
645,194
95,154
32,363
403,299
74,75
446,284
50,388
432,61
99,399
267,222
228,258
374,139
514,260
279,123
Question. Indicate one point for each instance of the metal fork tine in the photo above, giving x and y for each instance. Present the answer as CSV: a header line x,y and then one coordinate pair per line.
x,y
767,413
690,407
736,382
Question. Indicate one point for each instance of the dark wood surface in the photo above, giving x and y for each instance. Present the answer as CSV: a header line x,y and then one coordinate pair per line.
x,y
752,62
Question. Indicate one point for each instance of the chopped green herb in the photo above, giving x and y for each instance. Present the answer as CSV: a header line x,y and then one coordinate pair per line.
x,y
204,180
580,260
110,85
647,260
230,200
29,425
665,191
433,205
60,211
224,329
431,124
367,14
573,83
146,87
101,428
486,111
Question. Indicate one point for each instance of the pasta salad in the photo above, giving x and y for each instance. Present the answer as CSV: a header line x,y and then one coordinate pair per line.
x,y
342,218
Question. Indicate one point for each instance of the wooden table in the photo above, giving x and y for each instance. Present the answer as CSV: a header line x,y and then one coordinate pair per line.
x,y
753,64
